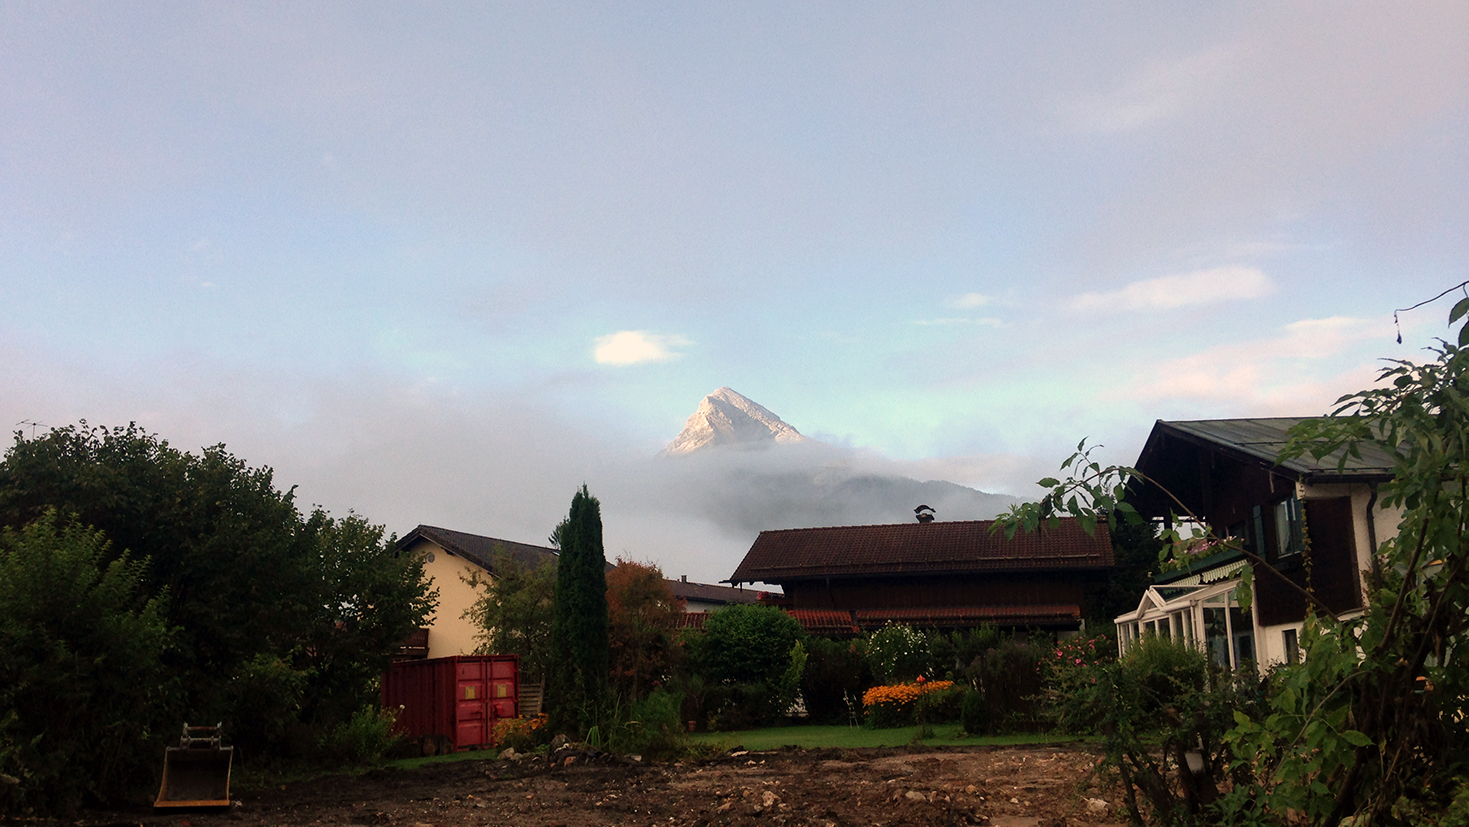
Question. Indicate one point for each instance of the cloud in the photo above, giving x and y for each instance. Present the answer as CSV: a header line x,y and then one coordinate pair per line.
x,y
953,320
633,347
1301,371
970,300
1211,286
1157,93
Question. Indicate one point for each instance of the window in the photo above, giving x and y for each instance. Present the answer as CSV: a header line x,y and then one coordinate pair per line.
x,y
1292,646
1288,527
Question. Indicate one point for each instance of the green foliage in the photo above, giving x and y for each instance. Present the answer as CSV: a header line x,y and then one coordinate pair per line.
x,y
956,651
751,658
651,727
362,739
1009,679
514,611
83,691
1152,708
899,653
280,623
835,677
1373,723
576,691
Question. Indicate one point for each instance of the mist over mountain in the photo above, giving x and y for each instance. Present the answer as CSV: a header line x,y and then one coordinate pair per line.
x,y
743,468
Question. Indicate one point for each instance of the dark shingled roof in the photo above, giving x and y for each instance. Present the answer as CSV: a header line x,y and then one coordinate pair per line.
x,y
708,593
917,549
1260,441
478,549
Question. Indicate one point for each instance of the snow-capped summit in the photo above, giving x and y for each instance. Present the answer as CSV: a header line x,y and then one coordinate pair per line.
x,y
728,418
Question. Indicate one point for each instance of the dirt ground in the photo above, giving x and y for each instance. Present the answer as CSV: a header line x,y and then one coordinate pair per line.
x,y
1035,786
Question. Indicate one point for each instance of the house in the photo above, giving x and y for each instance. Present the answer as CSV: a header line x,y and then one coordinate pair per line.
x,y
450,558
930,574
700,598
1314,525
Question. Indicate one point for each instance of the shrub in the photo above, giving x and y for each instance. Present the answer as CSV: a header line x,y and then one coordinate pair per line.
x,y
652,727
897,705
899,653
752,658
1163,700
1008,678
83,693
835,671
363,739
521,734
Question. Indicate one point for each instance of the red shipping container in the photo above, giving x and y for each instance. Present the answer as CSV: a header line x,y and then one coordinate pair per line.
x,y
459,698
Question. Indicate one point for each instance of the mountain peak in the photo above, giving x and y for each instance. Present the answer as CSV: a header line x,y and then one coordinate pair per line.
x,y
727,417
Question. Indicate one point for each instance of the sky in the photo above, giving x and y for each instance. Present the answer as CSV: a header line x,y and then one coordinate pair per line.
x,y
443,263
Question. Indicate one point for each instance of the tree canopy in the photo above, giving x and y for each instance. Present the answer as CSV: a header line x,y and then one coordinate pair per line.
x,y
577,686
275,619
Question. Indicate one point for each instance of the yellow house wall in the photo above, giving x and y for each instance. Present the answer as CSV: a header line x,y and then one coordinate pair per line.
x,y
449,632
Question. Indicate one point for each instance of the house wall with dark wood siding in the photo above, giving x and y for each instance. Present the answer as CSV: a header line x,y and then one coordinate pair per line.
x,y
1328,567
952,590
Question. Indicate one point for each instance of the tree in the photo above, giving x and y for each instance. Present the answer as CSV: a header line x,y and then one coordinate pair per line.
x,y
643,615
84,697
577,685
1373,724
754,656
515,612
278,620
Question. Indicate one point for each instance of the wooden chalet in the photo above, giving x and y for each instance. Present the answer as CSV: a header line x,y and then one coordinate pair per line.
x,y
1315,523
930,574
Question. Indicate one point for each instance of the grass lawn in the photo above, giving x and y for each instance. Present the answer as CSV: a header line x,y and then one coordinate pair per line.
x,y
812,737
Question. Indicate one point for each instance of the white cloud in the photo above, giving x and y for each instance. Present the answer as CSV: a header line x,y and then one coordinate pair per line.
x,y
970,300
1157,93
1211,286
1301,371
633,347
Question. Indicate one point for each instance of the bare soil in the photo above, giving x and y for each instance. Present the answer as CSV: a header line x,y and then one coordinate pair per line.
x,y
1029,786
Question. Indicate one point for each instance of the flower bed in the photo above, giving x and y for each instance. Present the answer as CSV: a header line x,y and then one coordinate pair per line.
x,y
899,704
524,734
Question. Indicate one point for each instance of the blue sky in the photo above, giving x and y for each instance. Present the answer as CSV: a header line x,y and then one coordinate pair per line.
x,y
442,263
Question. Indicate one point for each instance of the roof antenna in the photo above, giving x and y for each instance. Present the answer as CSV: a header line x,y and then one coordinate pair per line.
x,y
924,514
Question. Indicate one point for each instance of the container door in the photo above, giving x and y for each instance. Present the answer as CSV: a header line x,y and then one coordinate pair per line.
x,y
502,687
471,705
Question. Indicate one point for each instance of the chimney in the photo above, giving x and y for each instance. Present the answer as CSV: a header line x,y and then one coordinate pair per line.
x,y
684,578
924,513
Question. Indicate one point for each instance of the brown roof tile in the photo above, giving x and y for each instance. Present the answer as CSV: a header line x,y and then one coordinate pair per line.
x,y
918,548
707,593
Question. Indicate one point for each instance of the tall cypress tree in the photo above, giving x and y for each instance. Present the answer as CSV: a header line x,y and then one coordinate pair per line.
x,y
578,672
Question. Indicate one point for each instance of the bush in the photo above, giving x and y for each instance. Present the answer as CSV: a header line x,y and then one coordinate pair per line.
x,y
899,653
652,727
898,705
836,674
1008,678
521,734
1164,698
752,658
363,739
83,693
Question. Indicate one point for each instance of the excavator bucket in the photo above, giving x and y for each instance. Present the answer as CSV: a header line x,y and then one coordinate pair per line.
x,y
196,773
